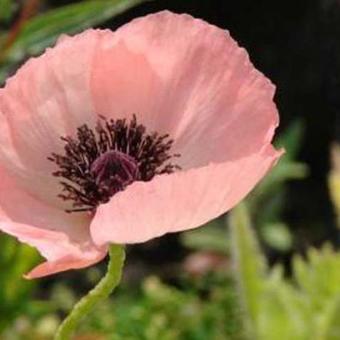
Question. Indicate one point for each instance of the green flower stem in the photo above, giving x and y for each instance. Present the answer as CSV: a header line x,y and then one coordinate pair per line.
x,y
103,289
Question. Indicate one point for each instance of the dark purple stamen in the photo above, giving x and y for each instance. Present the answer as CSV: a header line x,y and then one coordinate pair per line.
x,y
98,163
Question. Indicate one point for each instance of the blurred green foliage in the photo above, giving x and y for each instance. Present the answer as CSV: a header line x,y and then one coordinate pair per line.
x,y
15,260
304,307
213,237
7,8
334,180
165,312
154,311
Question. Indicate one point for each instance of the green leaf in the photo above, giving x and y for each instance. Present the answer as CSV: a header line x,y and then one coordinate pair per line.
x,y
276,308
15,260
332,325
210,238
42,30
328,322
249,263
277,235
291,138
282,311
7,8
320,276
282,172
319,280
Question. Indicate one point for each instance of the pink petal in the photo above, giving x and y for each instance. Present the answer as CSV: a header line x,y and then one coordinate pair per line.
x,y
40,184
185,77
60,237
67,263
49,97
180,201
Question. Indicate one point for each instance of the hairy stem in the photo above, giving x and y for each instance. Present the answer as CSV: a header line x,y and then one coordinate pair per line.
x,y
103,289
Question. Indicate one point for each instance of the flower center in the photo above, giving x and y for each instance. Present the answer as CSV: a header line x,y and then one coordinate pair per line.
x,y
98,163
113,171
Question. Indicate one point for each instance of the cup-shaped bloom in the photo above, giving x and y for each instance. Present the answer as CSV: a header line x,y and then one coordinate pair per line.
x,y
121,137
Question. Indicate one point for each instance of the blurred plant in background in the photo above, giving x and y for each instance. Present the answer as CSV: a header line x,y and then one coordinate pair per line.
x,y
15,293
334,180
207,301
306,306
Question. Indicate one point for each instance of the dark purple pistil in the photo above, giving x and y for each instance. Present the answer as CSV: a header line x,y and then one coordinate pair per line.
x,y
114,171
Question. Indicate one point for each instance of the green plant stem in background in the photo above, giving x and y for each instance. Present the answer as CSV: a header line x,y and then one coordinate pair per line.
x,y
104,288
249,265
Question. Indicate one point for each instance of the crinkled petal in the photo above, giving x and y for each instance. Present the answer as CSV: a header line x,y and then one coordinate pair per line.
x,y
178,74
63,239
184,77
48,97
179,201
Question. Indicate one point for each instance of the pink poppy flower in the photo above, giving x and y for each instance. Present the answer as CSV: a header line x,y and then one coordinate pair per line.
x,y
121,137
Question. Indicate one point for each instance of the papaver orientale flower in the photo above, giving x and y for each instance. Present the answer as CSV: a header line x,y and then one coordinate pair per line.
x,y
120,137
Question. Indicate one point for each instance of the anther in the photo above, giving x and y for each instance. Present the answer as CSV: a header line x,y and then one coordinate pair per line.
x,y
98,163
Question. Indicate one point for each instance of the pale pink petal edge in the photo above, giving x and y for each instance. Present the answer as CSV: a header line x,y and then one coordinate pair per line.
x,y
61,265
51,244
